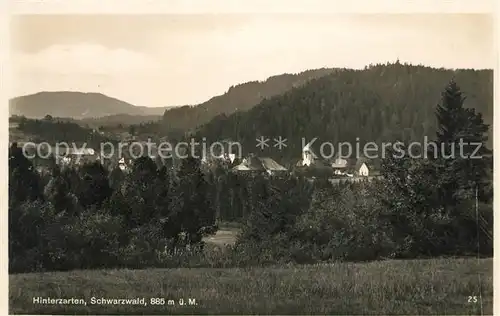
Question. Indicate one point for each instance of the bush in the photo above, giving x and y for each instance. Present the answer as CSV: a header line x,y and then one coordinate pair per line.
x,y
88,241
28,249
351,222
345,223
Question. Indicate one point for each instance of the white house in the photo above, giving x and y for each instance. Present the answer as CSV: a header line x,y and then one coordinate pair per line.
x,y
81,151
308,156
65,160
228,158
363,170
122,165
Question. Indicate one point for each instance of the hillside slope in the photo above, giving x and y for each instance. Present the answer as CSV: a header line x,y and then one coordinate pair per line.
x,y
382,103
238,98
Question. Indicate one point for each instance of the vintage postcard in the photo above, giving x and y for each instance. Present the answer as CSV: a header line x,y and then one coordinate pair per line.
x,y
236,160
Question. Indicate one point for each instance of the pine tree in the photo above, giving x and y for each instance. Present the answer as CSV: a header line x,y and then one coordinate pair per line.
x,y
460,132
450,114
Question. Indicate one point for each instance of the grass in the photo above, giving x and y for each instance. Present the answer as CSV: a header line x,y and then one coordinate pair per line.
x,y
437,286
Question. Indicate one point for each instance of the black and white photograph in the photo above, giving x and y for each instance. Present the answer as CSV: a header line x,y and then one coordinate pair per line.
x,y
246,163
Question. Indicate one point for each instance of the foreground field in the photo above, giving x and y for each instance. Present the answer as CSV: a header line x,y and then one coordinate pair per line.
x,y
439,286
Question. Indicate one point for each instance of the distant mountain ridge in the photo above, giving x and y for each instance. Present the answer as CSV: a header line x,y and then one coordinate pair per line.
x,y
76,105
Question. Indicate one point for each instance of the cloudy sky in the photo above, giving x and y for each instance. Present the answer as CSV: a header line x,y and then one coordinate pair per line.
x,y
186,59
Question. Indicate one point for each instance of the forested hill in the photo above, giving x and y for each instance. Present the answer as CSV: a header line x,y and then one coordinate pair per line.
x,y
241,97
380,103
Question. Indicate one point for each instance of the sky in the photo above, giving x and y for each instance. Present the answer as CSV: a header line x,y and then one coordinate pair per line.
x,y
170,60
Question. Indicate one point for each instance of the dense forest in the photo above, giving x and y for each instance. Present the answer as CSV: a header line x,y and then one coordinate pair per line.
x,y
382,103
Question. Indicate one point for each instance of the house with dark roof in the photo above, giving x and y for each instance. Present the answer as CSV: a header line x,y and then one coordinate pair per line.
x,y
259,164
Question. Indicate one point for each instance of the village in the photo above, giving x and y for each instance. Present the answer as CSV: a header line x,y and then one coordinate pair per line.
x,y
309,164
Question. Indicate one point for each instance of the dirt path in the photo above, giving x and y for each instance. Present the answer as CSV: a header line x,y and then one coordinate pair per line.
x,y
222,237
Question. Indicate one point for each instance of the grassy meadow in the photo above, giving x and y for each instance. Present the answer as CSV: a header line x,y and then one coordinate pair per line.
x,y
435,286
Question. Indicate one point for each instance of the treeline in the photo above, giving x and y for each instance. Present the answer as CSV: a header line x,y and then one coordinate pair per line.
x,y
53,130
156,217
